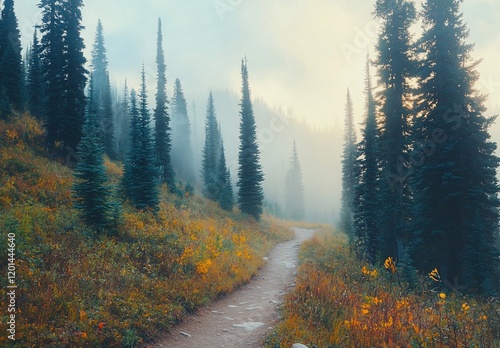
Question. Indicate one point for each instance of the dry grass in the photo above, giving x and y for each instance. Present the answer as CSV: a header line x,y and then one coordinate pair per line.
x,y
341,302
81,290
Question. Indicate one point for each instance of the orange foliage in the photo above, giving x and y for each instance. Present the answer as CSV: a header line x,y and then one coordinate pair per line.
x,y
341,302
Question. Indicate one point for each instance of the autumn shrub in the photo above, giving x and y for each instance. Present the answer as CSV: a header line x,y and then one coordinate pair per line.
x,y
339,301
77,288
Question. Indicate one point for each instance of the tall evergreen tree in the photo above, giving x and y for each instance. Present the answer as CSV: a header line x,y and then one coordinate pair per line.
x,y
456,188
131,172
295,208
226,196
140,179
250,175
52,50
348,170
64,72
90,191
34,85
75,75
182,150
103,92
366,207
211,152
122,121
163,141
11,63
395,67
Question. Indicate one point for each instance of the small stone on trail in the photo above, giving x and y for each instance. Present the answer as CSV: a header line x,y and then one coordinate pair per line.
x,y
185,334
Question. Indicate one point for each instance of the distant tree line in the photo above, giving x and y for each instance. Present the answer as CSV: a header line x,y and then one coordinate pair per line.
x,y
425,190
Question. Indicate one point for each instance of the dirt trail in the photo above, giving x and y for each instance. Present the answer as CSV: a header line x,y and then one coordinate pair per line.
x,y
244,318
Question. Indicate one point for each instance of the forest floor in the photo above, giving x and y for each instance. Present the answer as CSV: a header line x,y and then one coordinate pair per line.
x,y
245,317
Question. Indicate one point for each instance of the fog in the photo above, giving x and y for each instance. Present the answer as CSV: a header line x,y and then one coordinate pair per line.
x,y
302,56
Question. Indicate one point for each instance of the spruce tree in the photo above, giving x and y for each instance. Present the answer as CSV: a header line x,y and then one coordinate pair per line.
x,y
395,68
90,191
456,189
250,175
140,179
53,62
122,121
226,196
34,86
11,63
366,207
182,150
75,75
131,173
211,152
295,208
103,92
348,170
163,143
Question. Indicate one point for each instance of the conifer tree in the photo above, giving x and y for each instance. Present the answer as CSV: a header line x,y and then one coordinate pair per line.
x,y
211,152
456,189
103,92
395,67
53,62
163,143
348,170
366,205
34,86
122,121
90,191
75,75
250,175
131,174
64,72
295,208
11,63
182,150
226,197
140,179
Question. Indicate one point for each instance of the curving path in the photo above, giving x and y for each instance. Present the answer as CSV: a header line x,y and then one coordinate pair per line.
x,y
242,319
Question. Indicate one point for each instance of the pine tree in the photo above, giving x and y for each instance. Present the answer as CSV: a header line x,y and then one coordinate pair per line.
x,y
366,205
163,141
140,178
75,75
456,189
64,72
90,191
395,69
211,152
250,175
348,170
122,121
182,150
226,196
295,208
11,63
34,86
103,92
131,174
52,50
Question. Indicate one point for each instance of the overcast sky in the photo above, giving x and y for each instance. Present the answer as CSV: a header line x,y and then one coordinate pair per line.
x,y
302,55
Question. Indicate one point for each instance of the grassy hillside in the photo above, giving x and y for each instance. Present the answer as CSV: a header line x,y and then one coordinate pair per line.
x,y
341,302
79,289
